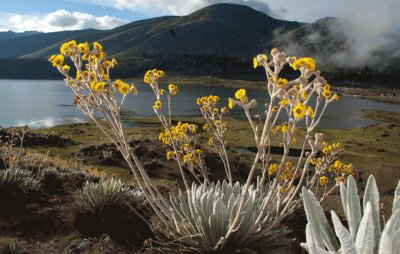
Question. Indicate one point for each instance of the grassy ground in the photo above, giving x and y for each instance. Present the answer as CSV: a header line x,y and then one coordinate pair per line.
x,y
372,149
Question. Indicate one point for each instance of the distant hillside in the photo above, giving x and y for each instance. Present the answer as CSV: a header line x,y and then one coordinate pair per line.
x,y
19,47
221,29
11,35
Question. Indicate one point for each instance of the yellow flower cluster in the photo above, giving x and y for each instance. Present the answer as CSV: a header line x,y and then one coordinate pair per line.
x,y
328,94
123,87
153,76
180,132
331,148
97,78
181,137
280,128
329,166
287,173
305,62
208,106
340,168
173,89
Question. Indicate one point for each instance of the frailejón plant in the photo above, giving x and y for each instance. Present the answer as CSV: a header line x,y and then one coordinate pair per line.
x,y
364,234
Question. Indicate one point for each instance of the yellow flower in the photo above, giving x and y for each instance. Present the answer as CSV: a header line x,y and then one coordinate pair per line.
x,y
323,180
299,110
284,128
327,94
106,64
272,169
241,95
71,43
304,95
310,112
85,57
326,150
134,90
306,62
294,141
64,48
170,154
173,89
57,61
51,58
97,46
114,62
231,103
336,97
281,82
83,47
199,151
284,102
99,86
187,158
65,68
124,88
117,83
224,110
256,63
289,165
338,164
157,104
327,87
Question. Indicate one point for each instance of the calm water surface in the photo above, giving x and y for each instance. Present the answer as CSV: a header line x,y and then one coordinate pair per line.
x,y
39,104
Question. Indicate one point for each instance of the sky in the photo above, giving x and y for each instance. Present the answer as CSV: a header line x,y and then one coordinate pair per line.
x,y
58,15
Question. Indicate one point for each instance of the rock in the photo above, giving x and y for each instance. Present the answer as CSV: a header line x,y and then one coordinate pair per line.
x,y
79,245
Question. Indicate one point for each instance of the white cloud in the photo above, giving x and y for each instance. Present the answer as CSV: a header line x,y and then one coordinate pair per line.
x,y
59,20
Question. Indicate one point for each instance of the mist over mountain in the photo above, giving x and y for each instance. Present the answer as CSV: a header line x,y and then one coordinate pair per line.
x,y
226,30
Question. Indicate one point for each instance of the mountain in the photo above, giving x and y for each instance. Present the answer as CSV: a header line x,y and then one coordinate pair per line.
x,y
11,35
19,47
221,29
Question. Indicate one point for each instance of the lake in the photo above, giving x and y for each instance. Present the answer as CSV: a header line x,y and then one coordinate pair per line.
x,y
46,103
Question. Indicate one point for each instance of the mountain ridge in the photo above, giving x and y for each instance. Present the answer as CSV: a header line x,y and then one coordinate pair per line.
x,y
220,29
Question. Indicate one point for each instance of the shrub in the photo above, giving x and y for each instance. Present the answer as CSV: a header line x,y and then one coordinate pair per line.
x,y
109,207
280,180
17,188
364,233
52,181
205,211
